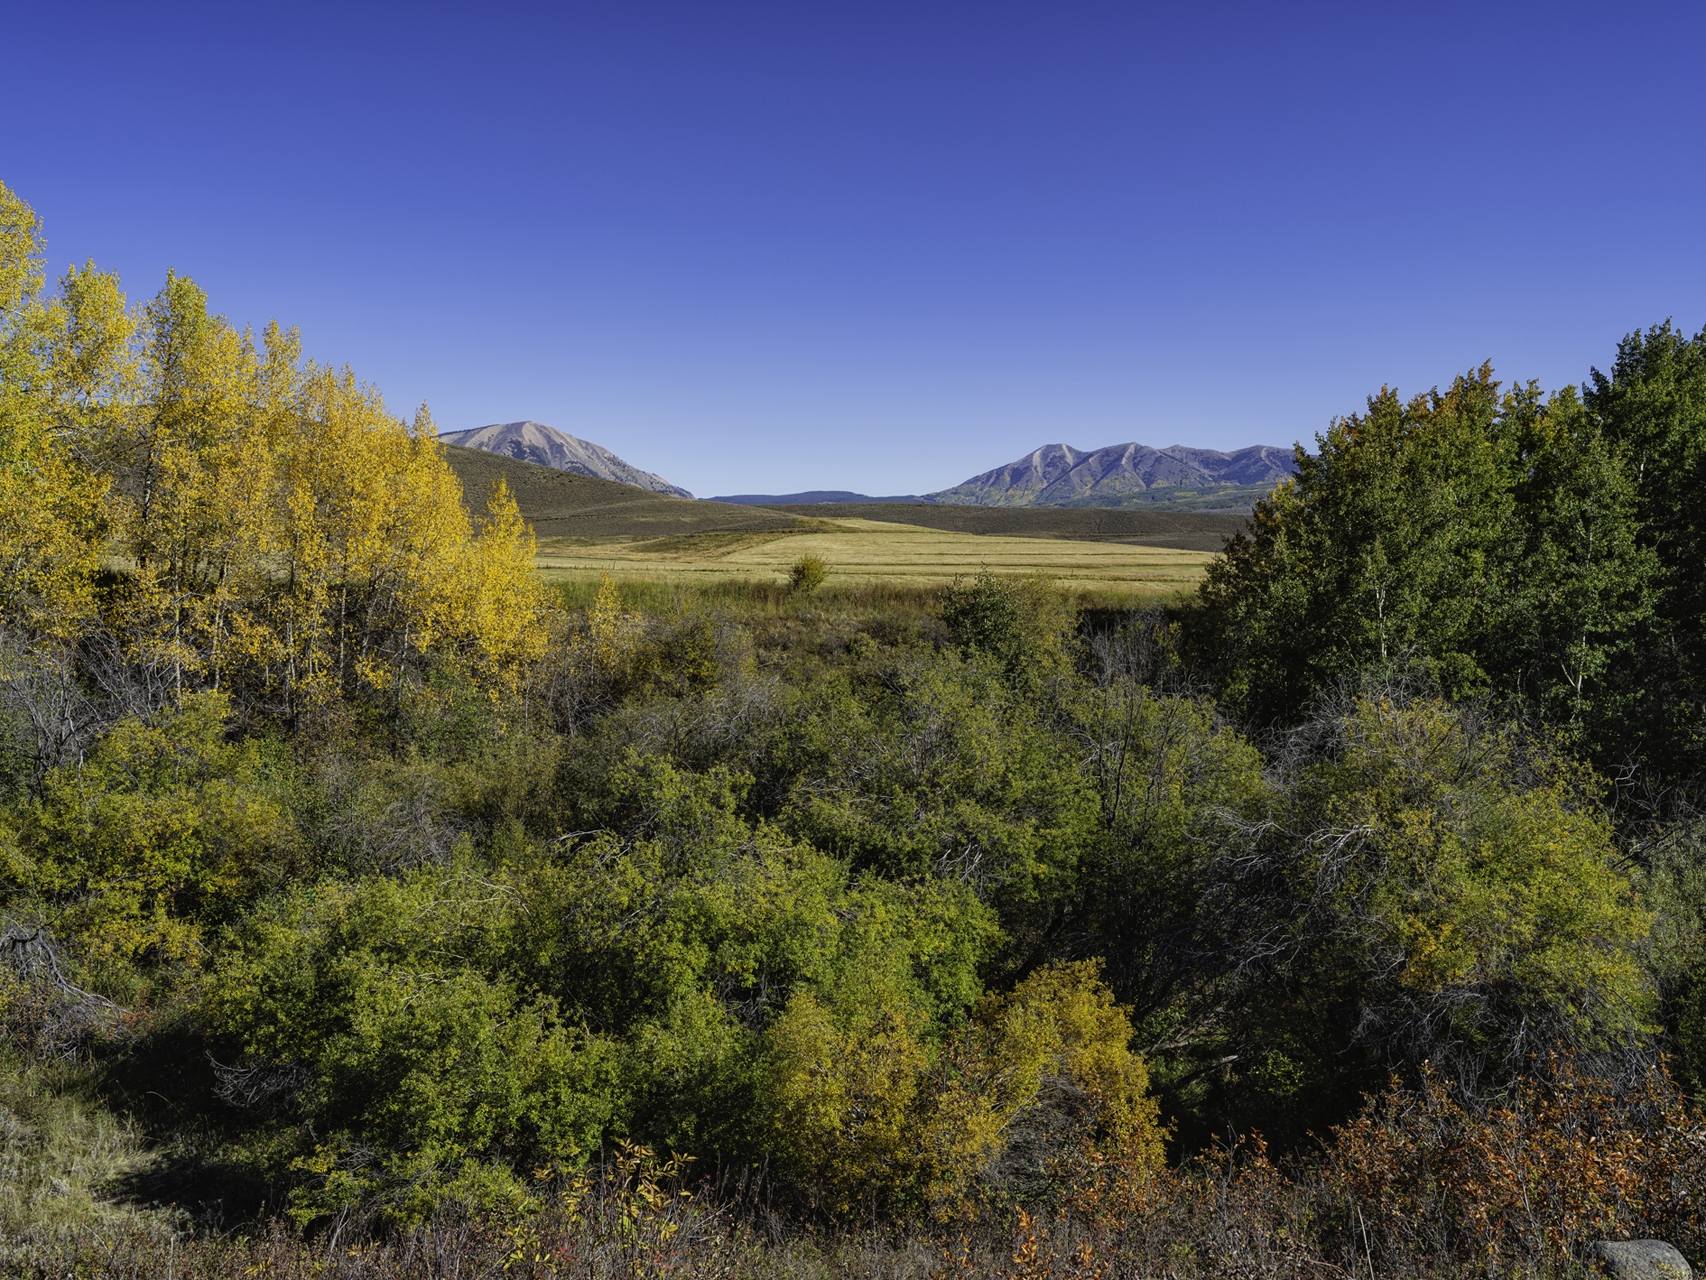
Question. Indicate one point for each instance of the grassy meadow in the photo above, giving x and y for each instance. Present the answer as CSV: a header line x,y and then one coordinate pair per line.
x,y
872,553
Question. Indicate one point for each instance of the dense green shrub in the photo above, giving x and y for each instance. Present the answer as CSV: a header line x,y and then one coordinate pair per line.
x,y
1489,538
380,1007
166,828
1425,887
808,574
937,766
1024,623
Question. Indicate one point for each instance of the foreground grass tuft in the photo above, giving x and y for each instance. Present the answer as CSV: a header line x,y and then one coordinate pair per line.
x,y
61,1152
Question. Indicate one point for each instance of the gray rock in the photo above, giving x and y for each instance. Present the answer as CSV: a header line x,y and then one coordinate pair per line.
x,y
1640,1260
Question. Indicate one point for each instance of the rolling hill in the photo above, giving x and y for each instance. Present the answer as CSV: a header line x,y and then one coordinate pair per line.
x,y
563,504
1180,530
560,504
815,496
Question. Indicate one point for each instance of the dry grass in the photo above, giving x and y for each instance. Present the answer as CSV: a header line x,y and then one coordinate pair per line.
x,y
870,552
61,1151
1089,524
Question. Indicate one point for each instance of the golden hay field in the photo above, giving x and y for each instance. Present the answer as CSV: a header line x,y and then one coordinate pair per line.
x,y
873,551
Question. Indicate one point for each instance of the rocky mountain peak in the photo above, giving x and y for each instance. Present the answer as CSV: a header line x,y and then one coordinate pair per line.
x,y
535,442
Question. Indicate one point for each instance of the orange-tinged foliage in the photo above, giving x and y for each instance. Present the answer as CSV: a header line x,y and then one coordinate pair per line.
x,y
1555,1166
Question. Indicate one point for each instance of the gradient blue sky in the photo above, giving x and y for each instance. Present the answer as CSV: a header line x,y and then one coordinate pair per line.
x,y
760,247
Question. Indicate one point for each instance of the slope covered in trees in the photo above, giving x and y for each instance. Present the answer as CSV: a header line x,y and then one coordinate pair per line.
x,y
381,891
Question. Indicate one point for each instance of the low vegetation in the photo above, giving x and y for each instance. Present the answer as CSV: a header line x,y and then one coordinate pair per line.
x,y
1092,524
808,574
873,552
372,904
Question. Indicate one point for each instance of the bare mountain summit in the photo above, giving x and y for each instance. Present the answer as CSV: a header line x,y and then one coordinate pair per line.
x,y
1058,475
549,447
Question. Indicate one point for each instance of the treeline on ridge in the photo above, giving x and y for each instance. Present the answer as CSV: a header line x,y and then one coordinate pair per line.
x,y
370,876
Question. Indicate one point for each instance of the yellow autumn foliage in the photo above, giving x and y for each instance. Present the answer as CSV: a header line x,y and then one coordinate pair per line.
x,y
49,501
867,1112
1062,1021
612,637
264,522
165,823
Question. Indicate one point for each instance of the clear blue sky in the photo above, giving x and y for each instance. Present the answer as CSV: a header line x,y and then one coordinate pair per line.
x,y
759,247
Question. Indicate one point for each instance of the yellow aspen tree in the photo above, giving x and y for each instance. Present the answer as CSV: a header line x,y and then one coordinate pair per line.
x,y
48,499
612,634
494,601
184,478
379,557
24,325
266,519
363,504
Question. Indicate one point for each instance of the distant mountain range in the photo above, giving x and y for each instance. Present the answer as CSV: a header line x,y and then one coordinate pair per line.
x,y
1057,475
815,496
1120,475
549,447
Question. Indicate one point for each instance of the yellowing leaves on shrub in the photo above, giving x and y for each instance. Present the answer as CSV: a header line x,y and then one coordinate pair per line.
x,y
1062,1022
1467,870
866,1111
165,823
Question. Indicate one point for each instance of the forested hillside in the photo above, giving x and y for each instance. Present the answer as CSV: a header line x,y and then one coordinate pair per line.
x,y
368,907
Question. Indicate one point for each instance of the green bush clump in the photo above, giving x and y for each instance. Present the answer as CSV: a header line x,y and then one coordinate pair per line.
x,y
808,574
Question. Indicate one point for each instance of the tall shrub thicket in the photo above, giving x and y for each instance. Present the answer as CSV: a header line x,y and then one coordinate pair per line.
x,y
1537,553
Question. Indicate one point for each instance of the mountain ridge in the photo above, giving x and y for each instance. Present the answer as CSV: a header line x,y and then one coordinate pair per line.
x,y
817,497
562,504
1059,474
530,441
1113,477
567,504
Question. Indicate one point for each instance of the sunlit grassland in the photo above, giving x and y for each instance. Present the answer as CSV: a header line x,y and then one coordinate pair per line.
x,y
869,555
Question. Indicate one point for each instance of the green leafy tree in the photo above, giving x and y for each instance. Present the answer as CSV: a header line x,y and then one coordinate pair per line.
x,y
984,614
1024,623
808,574
1381,546
1652,408
1167,770
1489,539
1580,583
